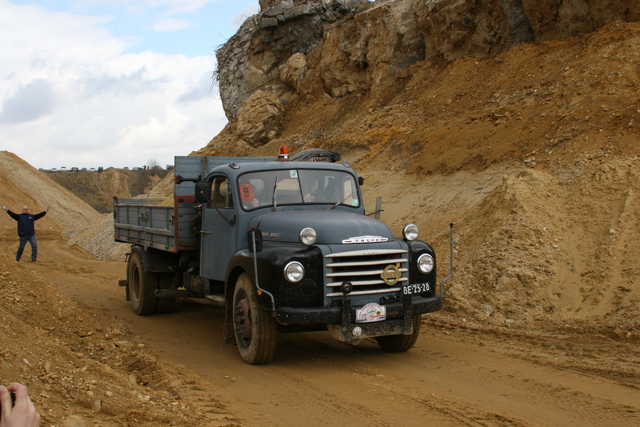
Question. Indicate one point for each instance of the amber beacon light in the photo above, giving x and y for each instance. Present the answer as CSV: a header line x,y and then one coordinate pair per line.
x,y
283,155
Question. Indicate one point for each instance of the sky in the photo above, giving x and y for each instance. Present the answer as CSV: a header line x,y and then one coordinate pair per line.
x,y
111,82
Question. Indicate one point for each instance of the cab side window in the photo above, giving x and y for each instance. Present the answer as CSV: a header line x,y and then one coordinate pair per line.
x,y
221,196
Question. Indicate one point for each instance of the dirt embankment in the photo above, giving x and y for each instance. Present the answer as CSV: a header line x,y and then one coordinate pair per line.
x,y
70,221
98,189
532,154
81,364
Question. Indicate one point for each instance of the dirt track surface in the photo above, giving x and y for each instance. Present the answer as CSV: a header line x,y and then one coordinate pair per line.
x,y
455,375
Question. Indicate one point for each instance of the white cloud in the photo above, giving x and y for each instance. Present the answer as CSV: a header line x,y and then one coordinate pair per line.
x,y
199,91
171,24
29,103
70,96
171,6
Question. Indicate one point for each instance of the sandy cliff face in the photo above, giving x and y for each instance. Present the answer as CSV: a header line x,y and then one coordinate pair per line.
x,y
517,121
99,188
354,46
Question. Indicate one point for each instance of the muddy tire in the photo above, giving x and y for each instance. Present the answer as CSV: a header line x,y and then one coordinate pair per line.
x,y
142,286
255,329
400,343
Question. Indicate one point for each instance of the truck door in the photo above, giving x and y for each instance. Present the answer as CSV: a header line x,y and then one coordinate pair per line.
x,y
218,231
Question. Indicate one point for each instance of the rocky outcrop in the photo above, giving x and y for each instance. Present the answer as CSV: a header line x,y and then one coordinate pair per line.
x,y
455,29
260,118
253,58
303,48
294,70
369,50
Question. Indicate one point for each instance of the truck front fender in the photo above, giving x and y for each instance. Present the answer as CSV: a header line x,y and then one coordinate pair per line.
x,y
242,262
270,263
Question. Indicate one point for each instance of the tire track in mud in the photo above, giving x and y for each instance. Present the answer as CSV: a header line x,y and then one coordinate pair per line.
x,y
321,402
318,382
455,411
369,389
494,384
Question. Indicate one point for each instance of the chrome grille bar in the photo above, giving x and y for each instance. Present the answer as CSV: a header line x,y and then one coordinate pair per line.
x,y
362,273
356,264
367,252
365,283
364,270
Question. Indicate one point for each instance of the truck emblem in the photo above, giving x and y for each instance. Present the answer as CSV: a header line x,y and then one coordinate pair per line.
x,y
364,239
391,274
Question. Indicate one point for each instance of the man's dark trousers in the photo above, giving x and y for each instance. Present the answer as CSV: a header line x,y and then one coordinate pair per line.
x,y
34,247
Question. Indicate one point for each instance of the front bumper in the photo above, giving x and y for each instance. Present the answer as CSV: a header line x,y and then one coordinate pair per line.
x,y
399,318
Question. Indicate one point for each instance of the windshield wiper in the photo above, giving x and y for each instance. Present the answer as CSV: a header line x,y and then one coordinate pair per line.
x,y
341,201
275,187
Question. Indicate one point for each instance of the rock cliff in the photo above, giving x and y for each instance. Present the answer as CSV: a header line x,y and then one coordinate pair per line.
x,y
254,57
313,48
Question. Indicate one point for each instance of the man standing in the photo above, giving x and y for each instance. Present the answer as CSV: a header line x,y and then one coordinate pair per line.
x,y
26,230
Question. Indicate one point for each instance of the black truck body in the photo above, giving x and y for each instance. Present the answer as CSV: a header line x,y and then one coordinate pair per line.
x,y
283,246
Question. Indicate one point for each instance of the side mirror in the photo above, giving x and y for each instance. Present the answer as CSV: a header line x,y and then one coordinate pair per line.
x,y
361,181
203,192
254,237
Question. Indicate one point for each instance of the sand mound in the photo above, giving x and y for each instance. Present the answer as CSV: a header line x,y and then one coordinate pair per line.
x,y
70,220
546,248
81,364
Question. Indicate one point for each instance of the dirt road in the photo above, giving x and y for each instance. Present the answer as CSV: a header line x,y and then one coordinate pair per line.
x,y
457,374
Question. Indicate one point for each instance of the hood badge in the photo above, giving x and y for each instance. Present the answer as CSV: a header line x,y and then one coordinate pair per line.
x,y
391,274
364,239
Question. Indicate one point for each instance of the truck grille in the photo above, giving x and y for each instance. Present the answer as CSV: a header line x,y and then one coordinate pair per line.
x,y
364,269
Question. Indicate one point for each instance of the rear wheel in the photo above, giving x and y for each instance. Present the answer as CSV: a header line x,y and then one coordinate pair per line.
x,y
255,328
142,286
400,343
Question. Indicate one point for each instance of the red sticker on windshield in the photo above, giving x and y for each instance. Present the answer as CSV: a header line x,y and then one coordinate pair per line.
x,y
246,192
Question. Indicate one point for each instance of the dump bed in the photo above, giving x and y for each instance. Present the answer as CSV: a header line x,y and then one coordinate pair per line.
x,y
147,223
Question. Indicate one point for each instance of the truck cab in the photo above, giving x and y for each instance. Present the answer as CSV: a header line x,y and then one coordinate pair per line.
x,y
284,246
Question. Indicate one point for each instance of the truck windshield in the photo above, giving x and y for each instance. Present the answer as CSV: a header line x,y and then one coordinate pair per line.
x,y
297,186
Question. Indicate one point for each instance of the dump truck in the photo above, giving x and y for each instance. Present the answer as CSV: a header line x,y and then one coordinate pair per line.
x,y
284,245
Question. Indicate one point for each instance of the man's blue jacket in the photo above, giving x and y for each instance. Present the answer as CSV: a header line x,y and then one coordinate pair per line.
x,y
25,222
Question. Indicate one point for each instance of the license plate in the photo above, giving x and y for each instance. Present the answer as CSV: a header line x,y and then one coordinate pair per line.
x,y
416,289
371,313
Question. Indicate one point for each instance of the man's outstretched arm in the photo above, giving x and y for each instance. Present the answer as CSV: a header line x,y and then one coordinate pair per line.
x,y
41,214
11,214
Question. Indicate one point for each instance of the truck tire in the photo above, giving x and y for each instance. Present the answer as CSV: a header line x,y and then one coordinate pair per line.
x,y
400,343
255,328
142,286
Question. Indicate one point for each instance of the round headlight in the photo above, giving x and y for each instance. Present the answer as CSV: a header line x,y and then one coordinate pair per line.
x,y
307,236
294,271
410,232
426,263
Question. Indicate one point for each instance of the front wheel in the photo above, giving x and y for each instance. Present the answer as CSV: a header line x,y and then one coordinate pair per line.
x,y
400,343
255,328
